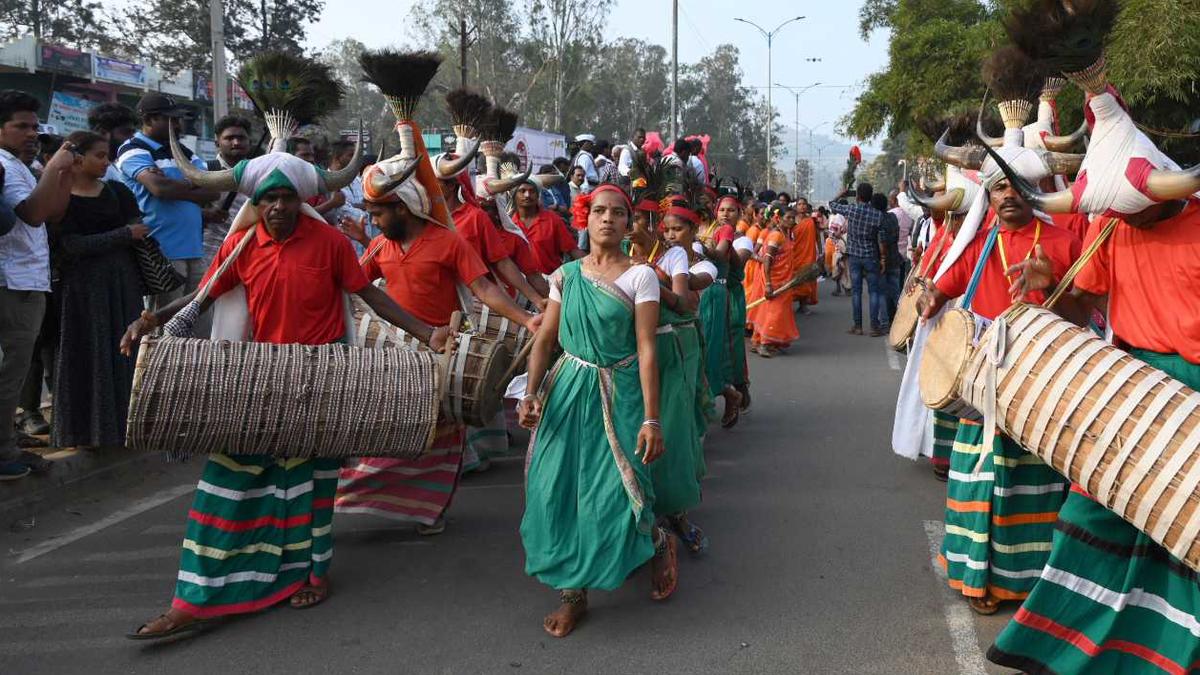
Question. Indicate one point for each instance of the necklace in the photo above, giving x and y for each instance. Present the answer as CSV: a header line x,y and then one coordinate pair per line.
x,y
1037,236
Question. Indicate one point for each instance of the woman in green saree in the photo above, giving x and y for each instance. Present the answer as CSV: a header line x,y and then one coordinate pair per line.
x,y
716,244
589,498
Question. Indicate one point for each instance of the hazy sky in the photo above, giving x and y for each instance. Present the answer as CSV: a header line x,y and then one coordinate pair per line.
x,y
830,32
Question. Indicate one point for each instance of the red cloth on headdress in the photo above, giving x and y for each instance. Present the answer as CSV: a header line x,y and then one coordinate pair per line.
x,y
653,144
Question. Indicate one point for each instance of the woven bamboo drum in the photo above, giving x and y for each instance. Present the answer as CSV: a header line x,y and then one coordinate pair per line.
x,y
904,325
948,351
494,326
196,397
474,372
1126,432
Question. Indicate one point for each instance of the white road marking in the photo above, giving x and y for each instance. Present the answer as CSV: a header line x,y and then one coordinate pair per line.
x,y
959,619
134,509
893,358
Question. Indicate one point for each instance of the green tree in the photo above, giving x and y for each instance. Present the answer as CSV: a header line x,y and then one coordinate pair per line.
x,y
628,89
80,24
175,35
568,35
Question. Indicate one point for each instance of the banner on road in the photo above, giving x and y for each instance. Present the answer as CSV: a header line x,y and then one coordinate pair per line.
x,y
68,113
115,70
62,59
536,146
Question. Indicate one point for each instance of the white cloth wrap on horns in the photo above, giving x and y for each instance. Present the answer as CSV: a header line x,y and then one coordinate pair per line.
x,y
1116,146
411,192
278,169
1028,163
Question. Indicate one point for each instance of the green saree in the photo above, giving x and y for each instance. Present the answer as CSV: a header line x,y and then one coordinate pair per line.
x,y
678,472
714,318
589,500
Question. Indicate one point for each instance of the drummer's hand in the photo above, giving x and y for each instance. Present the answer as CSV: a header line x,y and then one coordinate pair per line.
x,y
649,443
533,323
769,293
355,228
529,412
437,339
541,304
141,326
926,304
1034,274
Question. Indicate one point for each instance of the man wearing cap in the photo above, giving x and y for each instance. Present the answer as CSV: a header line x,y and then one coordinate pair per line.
x,y
585,161
630,151
170,204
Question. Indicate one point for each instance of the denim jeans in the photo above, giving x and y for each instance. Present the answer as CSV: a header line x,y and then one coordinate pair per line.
x,y
893,279
867,267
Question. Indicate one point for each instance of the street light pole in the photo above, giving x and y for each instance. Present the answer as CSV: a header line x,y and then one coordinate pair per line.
x,y
796,167
770,35
216,17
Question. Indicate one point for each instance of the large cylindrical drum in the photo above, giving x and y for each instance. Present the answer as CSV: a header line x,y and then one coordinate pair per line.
x,y
196,397
1126,432
948,351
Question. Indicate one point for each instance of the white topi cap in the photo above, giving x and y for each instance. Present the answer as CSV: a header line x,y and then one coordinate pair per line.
x,y
585,137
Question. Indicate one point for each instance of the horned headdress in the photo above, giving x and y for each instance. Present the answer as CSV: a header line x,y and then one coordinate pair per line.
x,y
496,130
287,92
1123,172
467,111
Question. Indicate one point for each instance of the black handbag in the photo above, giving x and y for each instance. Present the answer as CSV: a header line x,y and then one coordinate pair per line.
x,y
158,274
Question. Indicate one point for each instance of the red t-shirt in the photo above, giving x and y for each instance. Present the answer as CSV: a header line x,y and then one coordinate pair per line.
x,y
475,226
293,288
1075,223
1152,280
992,297
423,279
715,234
549,239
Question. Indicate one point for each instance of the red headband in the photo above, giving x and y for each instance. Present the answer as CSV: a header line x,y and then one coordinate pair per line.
x,y
646,205
583,204
685,213
729,198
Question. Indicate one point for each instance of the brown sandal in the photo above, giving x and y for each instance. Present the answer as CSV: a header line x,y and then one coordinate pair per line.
x,y
986,606
318,593
171,629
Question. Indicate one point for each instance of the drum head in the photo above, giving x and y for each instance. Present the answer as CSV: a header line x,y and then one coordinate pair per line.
x,y
946,353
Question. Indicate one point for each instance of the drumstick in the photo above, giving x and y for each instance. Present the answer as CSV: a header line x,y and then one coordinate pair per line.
x,y
809,274
516,362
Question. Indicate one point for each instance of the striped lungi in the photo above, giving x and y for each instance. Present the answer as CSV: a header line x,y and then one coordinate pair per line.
x,y
414,490
486,442
1000,520
258,530
1110,599
945,428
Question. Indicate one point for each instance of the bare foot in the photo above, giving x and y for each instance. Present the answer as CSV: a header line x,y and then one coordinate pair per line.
x,y
984,606
664,569
562,621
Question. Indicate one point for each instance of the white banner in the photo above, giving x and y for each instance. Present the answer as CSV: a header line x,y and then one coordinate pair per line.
x,y
537,146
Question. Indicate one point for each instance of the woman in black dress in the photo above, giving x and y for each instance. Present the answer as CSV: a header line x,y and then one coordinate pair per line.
x,y
101,295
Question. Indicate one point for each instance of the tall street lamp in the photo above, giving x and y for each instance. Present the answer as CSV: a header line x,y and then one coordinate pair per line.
x,y
797,92
770,35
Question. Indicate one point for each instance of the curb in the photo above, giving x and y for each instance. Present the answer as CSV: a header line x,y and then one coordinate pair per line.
x,y
72,469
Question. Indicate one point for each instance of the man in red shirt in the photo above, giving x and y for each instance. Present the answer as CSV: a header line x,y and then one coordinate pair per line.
x,y
549,238
422,263
488,240
295,270
999,516
1147,274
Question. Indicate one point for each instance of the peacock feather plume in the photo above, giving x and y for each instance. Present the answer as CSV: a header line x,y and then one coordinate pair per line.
x,y
289,91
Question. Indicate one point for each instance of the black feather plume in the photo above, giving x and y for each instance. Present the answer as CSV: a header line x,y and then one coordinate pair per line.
x,y
467,108
498,125
1012,76
1067,36
401,76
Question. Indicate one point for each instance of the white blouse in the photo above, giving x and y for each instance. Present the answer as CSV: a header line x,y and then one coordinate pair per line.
x,y
639,283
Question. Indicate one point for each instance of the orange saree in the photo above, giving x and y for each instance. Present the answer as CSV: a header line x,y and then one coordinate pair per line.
x,y
774,322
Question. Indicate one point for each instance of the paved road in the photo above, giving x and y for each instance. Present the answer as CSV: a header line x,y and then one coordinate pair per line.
x,y
820,563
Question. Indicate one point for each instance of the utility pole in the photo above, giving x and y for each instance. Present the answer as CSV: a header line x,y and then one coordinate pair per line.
x,y
216,18
770,35
674,69
462,49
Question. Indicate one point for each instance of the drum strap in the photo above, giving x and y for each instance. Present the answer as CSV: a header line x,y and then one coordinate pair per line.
x,y
1065,284
979,265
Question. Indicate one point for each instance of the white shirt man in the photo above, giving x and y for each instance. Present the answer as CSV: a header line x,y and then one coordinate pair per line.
x,y
585,160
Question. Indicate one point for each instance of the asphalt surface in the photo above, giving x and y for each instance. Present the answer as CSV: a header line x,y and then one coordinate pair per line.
x,y
820,563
